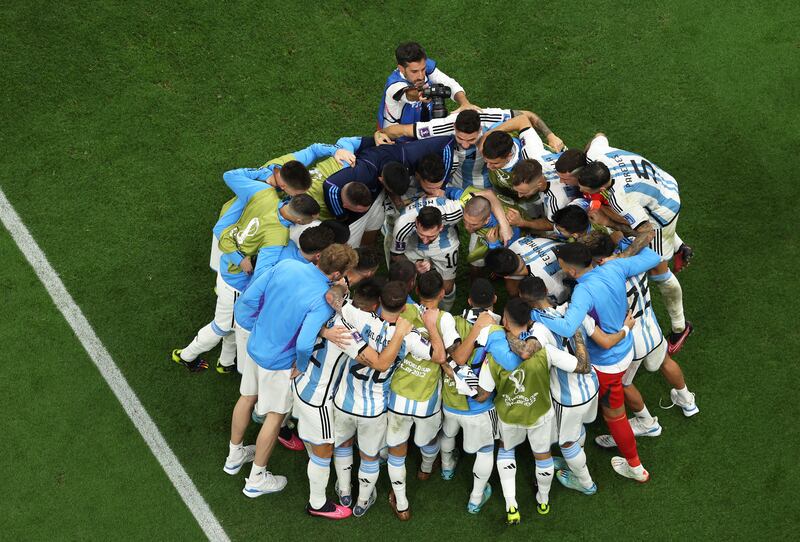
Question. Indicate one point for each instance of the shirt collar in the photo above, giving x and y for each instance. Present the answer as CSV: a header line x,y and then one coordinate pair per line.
x,y
285,223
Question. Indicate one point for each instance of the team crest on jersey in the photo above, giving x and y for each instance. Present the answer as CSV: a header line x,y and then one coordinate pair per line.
x,y
356,336
518,377
424,132
251,229
518,398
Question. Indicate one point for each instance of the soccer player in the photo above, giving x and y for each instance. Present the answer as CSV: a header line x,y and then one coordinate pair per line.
x,y
279,348
529,256
522,399
602,290
402,101
648,198
361,397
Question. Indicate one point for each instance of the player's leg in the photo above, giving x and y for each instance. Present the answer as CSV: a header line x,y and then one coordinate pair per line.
x,y
540,438
242,336
478,439
642,423
364,231
673,374
398,431
447,443
238,453
345,431
683,255
571,421
371,440
670,288
216,254
510,436
426,437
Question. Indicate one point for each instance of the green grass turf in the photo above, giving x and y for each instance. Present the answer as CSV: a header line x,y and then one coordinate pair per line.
x,y
120,117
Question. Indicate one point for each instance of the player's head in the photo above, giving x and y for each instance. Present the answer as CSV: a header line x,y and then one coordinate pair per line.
x,y
517,315
571,221
476,213
505,262
429,224
574,258
393,297
411,59
430,286
481,294
395,178
356,197
600,245
301,209
467,128
336,260
430,173
368,262
533,290
527,178
293,178
405,272
341,233
594,177
568,165
497,150
367,295
314,240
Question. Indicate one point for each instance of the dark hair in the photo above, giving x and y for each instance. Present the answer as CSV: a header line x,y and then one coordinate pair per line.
x,y
526,171
429,217
576,254
570,160
393,296
600,244
431,168
366,294
296,175
519,311
502,261
396,178
481,293
341,233
404,271
594,175
368,259
316,239
572,218
497,145
357,194
410,51
532,289
468,121
429,284
304,206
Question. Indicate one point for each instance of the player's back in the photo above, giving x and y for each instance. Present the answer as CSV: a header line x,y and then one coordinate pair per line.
x,y
540,259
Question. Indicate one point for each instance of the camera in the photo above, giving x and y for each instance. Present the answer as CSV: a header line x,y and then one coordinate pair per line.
x,y
437,94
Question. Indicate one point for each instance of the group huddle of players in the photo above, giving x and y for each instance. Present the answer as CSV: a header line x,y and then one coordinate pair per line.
x,y
333,355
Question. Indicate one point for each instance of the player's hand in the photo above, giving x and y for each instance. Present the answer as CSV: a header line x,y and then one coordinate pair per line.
x,y
485,319
246,265
345,157
295,373
514,217
429,318
467,106
493,234
423,266
597,216
382,139
436,193
413,94
629,320
402,327
554,141
338,335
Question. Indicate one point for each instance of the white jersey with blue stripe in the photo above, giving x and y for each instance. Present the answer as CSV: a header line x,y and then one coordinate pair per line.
x,y
540,259
363,391
644,183
317,385
568,389
405,227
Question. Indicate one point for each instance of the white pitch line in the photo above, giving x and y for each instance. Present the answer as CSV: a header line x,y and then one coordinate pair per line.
x,y
111,373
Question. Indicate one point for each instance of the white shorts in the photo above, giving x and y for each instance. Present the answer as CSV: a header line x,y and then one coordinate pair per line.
x,y
242,336
315,425
371,221
370,432
652,362
223,312
216,254
273,388
479,429
444,261
569,422
540,435
665,241
399,428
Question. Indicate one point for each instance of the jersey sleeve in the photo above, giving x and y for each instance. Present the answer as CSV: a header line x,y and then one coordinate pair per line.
x,y
628,209
358,344
485,379
435,127
314,152
491,116
452,210
598,148
404,227
542,334
560,358
438,76
532,146
417,345
447,327
589,325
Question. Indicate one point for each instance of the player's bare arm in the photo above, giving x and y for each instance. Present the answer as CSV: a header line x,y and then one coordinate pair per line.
x,y
335,296
394,132
461,354
609,340
583,366
429,318
381,362
642,236
540,226
538,124
523,348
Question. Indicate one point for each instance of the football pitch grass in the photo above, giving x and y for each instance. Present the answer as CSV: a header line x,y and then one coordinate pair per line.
x,y
119,119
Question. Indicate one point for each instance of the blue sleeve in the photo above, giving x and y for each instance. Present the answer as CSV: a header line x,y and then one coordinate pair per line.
x,y
313,322
498,347
355,144
250,302
644,261
314,152
452,192
247,181
267,257
567,325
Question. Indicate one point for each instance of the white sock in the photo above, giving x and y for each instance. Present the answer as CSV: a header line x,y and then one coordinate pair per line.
x,y
429,453
446,304
343,463
645,416
227,355
256,471
582,440
319,470
544,478
671,290
448,445
507,469
685,395
368,473
233,449
576,461
481,471
397,475
205,340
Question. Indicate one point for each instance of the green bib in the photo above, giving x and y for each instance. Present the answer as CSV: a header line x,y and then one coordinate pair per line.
x,y
523,395
450,396
319,174
415,379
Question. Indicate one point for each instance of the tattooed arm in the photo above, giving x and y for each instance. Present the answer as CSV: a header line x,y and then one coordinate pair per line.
x,y
335,296
523,349
583,366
